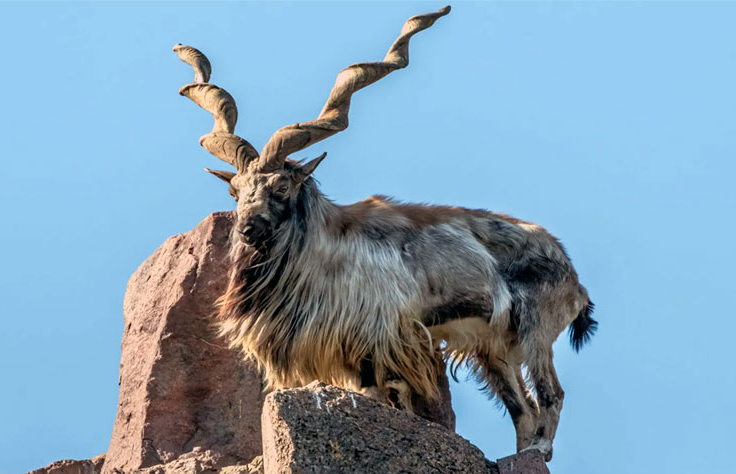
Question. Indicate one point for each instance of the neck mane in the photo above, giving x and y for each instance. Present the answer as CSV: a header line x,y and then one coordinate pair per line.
x,y
323,298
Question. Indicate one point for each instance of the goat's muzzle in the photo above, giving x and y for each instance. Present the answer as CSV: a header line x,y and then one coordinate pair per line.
x,y
255,231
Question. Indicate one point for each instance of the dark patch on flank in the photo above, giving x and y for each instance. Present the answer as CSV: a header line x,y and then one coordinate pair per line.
x,y
534,270
457,309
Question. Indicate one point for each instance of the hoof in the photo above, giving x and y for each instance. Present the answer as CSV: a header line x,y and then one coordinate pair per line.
x,y
544,446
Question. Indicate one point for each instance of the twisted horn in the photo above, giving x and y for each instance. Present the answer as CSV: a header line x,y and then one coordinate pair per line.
x,y
221,141
198,61
334,115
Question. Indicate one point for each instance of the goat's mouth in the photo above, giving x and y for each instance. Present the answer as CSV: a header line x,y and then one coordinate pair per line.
x,y
257,239
250,235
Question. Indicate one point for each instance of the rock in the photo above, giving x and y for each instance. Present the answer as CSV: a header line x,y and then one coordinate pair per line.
x,y
320,428
180,388
189,405
525,462
255,467
200,461
71,466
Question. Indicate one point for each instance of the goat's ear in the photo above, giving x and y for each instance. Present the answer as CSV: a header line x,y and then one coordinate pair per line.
x,y
308,168
223,175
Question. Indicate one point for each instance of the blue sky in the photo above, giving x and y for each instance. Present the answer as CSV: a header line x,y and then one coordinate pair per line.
x,y
611,124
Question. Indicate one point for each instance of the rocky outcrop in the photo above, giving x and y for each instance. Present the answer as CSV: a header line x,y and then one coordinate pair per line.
x,y
180,388
199,461
189,405
71,466
321,428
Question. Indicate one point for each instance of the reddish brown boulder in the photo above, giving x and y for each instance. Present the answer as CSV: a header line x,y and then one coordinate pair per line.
x,y
72,466
180,389
320,428
189,405
200,461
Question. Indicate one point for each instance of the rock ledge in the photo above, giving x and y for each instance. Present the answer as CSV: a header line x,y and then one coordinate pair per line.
x,y
320,428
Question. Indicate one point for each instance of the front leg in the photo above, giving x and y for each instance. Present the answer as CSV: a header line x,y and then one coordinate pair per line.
x,y
399,394
368,384
394,391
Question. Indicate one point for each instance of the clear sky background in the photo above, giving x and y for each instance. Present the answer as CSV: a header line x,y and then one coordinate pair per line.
x,y
611,124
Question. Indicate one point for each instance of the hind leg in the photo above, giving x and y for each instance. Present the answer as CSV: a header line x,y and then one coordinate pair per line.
x,y
501,378
528,395
549,398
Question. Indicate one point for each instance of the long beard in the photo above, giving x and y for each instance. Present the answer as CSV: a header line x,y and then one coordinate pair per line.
x,y
253,272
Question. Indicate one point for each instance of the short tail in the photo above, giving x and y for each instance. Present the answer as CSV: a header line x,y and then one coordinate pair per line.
x,y
583,327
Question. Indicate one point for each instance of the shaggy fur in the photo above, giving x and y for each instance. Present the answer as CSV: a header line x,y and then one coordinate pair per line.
x,y
366,296
336,286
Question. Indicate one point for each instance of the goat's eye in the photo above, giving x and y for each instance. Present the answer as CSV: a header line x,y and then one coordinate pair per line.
x,y
282,190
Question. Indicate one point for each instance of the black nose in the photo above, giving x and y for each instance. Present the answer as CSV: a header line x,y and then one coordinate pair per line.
x,y
255,230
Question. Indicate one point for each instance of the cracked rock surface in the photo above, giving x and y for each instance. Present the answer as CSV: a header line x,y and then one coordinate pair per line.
x,y
180,389
73,466
189,405
321,428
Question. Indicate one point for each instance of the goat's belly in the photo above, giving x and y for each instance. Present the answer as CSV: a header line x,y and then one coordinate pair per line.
x,y
471,335
465,332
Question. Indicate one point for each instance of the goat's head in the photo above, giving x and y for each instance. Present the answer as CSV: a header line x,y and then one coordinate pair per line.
x,y
266,198
267,185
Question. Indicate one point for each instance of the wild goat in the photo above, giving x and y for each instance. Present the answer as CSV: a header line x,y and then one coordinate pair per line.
x,y
366,295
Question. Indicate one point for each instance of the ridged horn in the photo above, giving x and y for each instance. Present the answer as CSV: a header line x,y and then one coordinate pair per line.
x,y
223,175
334,115
198,61
221,141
